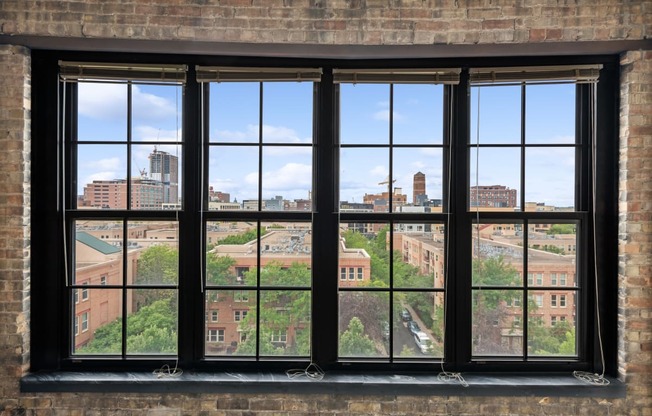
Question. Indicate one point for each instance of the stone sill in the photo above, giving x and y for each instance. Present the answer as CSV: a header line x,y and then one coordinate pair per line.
x,y
556,385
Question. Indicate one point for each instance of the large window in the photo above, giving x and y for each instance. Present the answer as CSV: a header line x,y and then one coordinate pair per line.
x,y
253,214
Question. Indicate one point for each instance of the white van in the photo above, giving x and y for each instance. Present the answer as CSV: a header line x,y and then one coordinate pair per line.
x,y
423,342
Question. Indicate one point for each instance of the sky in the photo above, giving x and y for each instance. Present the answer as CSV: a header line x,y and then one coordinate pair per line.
x,y
234,123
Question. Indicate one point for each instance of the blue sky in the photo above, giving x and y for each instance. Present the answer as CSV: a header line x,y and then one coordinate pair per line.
x,y
287,119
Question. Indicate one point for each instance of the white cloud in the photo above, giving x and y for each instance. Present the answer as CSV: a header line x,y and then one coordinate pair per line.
x,y
149,133
383,115
379,171
109,102
292,176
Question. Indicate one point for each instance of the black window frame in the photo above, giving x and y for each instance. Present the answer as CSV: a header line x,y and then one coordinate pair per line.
x,y
50,299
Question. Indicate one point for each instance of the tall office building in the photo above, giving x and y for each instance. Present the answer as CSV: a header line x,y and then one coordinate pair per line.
x,y
419,188
164,167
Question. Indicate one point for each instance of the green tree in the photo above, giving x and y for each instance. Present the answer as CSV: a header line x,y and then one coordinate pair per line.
x,y
354,342
561,229
158,265
219,269
152,330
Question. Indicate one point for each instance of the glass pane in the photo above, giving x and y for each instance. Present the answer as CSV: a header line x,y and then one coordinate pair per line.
x,y
497,254
418,324
497,322
495,179
98,252
102,176
287,112
418,113
418,175
230,322
233,178
551,324
287,178
364,113
157,113
286,254
500,115
102,112
152,321
550,114
364,178
97,322
550,176
234,112
231,256
363,255
285,323
155,179
419,255
363,323
155,248
552,253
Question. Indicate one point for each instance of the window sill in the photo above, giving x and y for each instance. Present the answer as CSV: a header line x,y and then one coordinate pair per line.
x,y
350,384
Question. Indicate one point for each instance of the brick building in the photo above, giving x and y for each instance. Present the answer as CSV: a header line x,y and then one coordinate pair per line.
x,y
384,29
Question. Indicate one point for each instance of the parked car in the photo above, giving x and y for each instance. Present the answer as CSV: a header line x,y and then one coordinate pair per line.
x,y
406,315
423,342
413,327
385,330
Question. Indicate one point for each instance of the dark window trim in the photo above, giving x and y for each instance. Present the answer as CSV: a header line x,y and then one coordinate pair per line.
x,y
49,295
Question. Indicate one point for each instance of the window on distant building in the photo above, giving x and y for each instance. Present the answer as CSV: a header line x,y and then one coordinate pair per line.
x,y
362,218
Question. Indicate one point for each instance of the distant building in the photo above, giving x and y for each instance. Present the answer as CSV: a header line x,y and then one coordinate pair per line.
x,y
112,194
495,196
419,189
164,168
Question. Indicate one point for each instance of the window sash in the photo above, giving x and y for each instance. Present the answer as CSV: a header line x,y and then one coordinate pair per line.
x,y
446,76
248,74
581,74
85,71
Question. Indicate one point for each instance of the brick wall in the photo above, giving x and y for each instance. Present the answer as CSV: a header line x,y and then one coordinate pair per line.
x,y
348,22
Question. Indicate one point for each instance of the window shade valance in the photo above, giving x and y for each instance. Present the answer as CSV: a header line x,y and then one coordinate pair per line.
x,y
241,74
75,71
579,74
449,76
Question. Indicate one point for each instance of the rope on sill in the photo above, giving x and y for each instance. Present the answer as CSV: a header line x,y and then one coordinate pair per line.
x,y
447,377
167,372
591,378
313,372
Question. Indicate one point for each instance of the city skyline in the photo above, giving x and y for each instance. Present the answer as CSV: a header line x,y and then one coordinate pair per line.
x,y
287,123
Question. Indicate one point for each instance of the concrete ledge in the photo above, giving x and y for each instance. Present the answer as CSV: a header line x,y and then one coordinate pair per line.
x,y
333,383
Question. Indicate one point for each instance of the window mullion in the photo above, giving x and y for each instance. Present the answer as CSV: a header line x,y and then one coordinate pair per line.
x,y
458,290
324,334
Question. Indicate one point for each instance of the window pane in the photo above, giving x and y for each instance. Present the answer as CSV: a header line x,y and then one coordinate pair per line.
x,y
102,112
364,177
419,324
97,321
156,248
287,178
550,114
102,176
152,321
551,329
418,175
231,256
285,323
364,113
363,323
497,322
233,178
287,112
495,179
419,256
418,113
157,113
550,176
552,252
500,115
234,332
497,254
155,177
98,252
234,112
363,246
285,254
